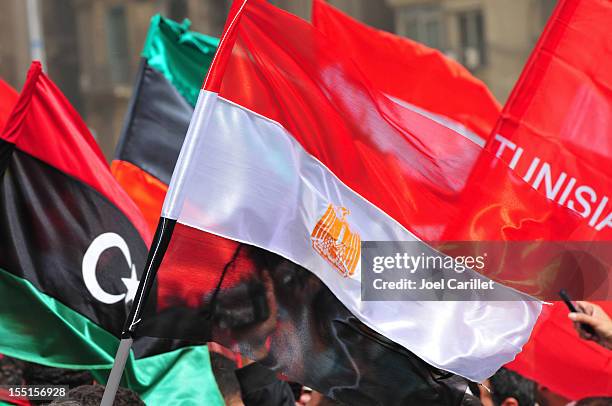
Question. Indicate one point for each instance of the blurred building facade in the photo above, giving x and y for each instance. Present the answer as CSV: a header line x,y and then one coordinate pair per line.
x,y
492,38
92,47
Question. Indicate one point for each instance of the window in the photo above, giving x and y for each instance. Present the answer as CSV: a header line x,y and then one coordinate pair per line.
x,y
471,39
118,53
422,24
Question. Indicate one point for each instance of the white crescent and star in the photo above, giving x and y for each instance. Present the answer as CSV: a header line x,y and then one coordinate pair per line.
x,y
90,261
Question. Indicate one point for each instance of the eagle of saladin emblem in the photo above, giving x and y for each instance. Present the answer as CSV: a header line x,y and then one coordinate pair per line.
x,y
333,239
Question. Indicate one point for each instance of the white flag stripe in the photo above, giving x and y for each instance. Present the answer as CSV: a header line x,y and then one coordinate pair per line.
x,y
249,180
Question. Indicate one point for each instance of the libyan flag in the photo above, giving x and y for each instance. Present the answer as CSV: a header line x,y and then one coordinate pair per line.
x,y
73,249
172,69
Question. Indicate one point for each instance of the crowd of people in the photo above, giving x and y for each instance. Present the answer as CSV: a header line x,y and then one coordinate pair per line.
x,y
252,384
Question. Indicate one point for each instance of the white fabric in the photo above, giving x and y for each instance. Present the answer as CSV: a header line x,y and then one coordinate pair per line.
x,y
243,177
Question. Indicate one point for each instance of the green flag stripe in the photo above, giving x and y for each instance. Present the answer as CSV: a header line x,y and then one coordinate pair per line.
x,y
57,336
182,56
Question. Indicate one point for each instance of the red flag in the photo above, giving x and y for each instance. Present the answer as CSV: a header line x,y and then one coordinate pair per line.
x,y
555,132
410,71
8,98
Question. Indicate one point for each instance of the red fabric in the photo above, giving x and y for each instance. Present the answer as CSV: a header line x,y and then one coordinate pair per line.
x,y
146,190
411,71
436,184
214,76
8,98
561,112
557,358
18,401
226,352
45,125
194,262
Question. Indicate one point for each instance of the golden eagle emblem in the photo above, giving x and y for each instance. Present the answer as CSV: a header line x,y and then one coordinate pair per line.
x,y
333,239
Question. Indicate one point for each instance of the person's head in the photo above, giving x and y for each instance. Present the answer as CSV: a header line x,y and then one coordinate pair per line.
x,y
546,397
595,401
91,395
510,389
11,371
35,374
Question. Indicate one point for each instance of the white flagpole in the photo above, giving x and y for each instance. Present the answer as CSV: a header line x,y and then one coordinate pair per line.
x,y
37,44
112,385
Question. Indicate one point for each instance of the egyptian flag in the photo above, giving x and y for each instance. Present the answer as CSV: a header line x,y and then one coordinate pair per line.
x,y
288,141
8,97
73,249
419,77
555,132
174,62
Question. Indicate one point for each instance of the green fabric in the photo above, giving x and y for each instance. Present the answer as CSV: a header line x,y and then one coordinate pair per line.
x,y
37,328
182,56
182,377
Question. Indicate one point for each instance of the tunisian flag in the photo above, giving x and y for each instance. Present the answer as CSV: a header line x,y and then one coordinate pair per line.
x,y
556,132
421,77
8,98
288,136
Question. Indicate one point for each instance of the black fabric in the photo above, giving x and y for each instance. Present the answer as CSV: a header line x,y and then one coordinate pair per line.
x,y
162,236
259,386
284,317
6,151
156,125
48,221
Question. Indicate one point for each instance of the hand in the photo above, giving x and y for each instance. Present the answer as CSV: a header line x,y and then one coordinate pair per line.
x,y
596,317
304,399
